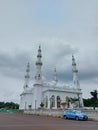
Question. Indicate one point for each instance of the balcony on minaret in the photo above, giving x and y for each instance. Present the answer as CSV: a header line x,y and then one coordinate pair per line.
x,y
39,63
75,70
27,76
38,76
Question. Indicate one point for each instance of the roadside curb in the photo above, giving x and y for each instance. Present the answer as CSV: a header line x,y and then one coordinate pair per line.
x,y
92,119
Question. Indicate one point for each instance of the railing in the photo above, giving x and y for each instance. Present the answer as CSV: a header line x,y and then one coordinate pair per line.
x,y
9,111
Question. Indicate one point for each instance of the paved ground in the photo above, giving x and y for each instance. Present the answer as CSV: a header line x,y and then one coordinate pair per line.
x,y
10,121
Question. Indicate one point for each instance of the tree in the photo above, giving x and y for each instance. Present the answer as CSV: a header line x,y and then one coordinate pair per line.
x,y
91,102
67,101
94,94
73,100
9,105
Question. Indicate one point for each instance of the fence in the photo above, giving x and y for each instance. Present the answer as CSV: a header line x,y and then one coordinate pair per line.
x,y
9,111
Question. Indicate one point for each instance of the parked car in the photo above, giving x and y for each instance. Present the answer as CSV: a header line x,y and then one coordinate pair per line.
x,y
74,114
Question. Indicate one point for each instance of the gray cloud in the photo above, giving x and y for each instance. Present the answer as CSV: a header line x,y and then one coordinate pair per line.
x,y
12,65
53,55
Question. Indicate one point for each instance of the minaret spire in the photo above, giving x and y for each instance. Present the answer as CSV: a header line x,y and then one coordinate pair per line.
x,y
75,73
27,76
38,76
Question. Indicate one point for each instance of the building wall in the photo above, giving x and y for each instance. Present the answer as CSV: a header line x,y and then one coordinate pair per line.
x,y
52,98
62,97
26,100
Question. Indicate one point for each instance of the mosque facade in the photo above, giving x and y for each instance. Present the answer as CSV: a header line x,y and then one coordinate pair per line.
x,y
51,94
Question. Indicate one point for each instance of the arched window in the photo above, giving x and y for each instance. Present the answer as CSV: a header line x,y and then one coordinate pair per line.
x,y
52,101
58,102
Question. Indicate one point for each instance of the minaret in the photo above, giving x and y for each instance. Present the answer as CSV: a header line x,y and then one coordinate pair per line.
x,y
55,75
38,76
75,74
26,85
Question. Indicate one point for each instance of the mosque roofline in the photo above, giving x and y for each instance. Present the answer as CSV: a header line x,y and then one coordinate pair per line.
x,y
26,93
69,91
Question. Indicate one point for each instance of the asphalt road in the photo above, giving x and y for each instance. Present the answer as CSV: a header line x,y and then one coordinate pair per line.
x,y
9,121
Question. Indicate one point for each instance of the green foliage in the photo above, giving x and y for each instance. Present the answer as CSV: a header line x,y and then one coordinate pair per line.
x,y
42,105
73,100
30,106
91,102
9,105
94,94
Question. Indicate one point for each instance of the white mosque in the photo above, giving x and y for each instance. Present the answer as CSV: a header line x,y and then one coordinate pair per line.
x,y
52,95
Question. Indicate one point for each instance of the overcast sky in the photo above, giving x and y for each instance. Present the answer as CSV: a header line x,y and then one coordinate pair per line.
x,y
62,28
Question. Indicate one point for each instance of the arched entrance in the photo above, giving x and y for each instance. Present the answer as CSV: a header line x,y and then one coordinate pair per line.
x,y
58,102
